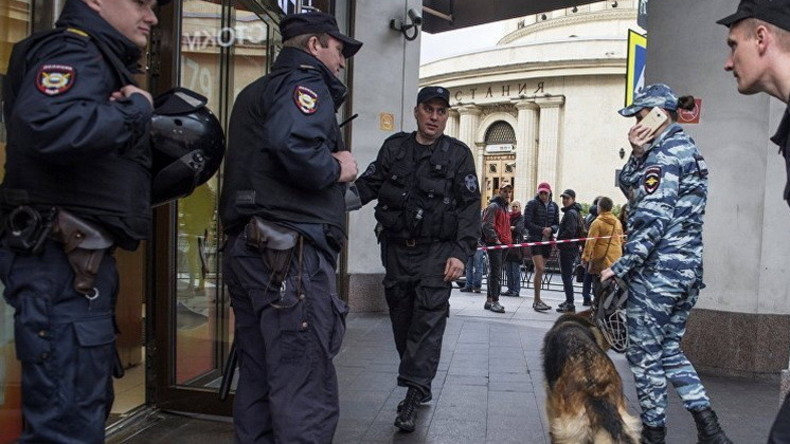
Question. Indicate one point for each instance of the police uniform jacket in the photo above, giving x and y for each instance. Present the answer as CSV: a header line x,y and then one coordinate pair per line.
x,y
425,194
69,145
282,134
667,190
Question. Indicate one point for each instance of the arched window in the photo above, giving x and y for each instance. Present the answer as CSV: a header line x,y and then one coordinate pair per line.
x,y
500,133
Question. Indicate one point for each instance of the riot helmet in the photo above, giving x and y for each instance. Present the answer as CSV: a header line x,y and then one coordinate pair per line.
x,y
609,313
187,144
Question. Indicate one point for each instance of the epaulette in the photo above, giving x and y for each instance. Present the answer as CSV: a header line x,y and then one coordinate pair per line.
x,y
307,67
78,32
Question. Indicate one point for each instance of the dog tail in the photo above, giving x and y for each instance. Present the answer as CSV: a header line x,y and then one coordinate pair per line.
x,y
623,428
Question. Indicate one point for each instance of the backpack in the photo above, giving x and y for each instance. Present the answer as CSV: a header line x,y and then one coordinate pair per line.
x,y
581,228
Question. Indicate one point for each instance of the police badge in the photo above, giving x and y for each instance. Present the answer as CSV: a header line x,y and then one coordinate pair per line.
x,y
306,99
652,179
53,80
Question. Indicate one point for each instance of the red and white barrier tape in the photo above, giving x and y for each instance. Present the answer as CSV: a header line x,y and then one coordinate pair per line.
x,y
552,242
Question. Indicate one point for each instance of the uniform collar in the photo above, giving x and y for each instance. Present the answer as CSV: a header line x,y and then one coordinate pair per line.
x,y
294,58
667,133
76,14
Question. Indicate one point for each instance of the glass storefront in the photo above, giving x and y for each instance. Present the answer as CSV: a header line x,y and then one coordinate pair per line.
x,y
220,55
15,24
223,47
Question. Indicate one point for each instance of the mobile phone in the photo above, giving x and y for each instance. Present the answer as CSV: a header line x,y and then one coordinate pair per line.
x,y
654,119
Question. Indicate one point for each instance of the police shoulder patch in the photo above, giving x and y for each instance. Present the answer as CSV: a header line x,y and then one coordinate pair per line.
x,y
471,182
53,80
652,179
306,99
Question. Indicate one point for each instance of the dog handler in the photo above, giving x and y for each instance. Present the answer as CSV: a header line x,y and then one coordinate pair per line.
x,y
666,183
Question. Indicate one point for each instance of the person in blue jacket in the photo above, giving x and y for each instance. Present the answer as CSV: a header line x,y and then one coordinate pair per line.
x,y
666,183
77,144
286,169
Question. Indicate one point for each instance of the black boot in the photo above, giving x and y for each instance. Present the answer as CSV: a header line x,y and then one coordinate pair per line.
x,y
708,429
653,435
407,417
425,399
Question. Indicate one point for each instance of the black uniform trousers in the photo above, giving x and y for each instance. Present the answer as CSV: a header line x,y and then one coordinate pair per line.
x,y
65,344
419,303
287,388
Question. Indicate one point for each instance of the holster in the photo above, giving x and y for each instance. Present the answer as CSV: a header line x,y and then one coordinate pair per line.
x,y
274,242
85,244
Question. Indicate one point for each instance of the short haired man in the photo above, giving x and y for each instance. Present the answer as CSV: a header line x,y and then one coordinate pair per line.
x,y
569,251
759,41
77,150
496,231
429,208
285,175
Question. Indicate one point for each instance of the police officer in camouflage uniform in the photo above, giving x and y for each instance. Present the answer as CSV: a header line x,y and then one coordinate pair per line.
x,y
78,161
666,183
429,207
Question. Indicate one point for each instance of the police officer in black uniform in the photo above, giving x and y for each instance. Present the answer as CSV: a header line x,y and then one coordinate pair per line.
x,y
76,185
282,206
429,209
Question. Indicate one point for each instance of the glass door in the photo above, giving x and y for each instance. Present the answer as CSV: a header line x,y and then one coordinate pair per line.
x,y
223,46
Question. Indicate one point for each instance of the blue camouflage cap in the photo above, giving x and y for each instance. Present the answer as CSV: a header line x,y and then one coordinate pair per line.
x,y
656,94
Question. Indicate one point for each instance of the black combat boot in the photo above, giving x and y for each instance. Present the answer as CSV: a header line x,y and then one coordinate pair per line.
x,y
708,429
407,417
425,400
653,435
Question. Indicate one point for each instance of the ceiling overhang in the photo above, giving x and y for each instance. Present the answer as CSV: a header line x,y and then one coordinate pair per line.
x,y
447,15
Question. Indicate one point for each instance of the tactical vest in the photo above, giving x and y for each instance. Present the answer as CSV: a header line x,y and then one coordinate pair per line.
x,y
417,201
115,185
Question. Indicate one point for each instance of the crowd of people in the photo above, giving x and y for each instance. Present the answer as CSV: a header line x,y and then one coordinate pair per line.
x,y
283,210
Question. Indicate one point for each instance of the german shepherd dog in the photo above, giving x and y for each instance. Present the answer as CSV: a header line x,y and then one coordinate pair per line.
x,y
584,392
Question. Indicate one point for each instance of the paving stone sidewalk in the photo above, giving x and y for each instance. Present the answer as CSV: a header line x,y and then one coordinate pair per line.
x,y
489,388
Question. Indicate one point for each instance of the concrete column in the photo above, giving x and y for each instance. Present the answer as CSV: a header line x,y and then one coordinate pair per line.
x,y
452,124
549,139
526,149
469,121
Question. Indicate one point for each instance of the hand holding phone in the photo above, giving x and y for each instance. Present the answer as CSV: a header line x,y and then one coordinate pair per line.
x,y
654,119
645,131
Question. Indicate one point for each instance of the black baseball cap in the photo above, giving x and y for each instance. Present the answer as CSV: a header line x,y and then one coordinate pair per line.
x,y
314,22
775,12
162,2
569,193
433,92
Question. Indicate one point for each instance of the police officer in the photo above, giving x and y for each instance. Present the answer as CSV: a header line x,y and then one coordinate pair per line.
x,y
666,183
757,37
429,208
77,178
285,173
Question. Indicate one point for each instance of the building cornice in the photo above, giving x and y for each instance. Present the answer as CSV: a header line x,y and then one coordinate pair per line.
x,y
575,19
529,70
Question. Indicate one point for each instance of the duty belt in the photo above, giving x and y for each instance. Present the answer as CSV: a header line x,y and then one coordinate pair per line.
x,y
84,243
